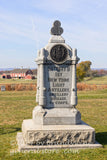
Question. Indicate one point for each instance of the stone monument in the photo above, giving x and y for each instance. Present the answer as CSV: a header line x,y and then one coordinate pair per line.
x,y
56,123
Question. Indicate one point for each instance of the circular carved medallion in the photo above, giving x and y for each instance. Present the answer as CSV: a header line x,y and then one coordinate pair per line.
x,y
58,53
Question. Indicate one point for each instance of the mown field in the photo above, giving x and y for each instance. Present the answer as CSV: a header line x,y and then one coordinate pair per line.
x,y
15,106
96,80
15,81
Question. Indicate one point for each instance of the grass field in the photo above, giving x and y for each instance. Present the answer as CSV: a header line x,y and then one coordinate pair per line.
x,y
96,80
15,106
15,81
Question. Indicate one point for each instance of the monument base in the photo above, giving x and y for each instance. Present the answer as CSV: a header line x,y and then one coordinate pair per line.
x,y
23,147
51,134
35,137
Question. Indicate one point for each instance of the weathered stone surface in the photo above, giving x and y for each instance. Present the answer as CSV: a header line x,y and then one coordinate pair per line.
x,y
56,80
23,147
56,29
56,39
46,138
58,84
38,115
56,116
57,134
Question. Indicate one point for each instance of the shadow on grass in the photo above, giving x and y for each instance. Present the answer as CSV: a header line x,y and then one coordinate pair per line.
x,y
8,129
101,137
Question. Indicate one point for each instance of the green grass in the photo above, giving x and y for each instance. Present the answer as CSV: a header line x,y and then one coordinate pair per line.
x,y
96,80
96,94
15,106
15,81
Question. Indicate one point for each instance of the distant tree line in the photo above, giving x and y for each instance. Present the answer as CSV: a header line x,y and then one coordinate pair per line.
x,y
84,70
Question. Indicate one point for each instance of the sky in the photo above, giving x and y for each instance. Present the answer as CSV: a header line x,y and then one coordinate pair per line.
x,y
25,28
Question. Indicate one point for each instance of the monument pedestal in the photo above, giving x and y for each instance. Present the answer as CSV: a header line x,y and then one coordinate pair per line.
x,y
56,116
34,137
57,134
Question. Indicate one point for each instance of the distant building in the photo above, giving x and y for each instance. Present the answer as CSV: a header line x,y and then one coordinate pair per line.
x,y
6,76
19,74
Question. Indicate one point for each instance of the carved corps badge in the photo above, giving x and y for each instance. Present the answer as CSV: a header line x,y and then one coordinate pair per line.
x,y
58,54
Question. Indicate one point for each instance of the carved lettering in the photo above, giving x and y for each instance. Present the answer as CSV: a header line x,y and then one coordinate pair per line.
x,y
52,79
59,85
58,74
63,79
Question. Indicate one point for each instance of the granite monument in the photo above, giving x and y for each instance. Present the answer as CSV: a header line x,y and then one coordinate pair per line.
x,y
56,123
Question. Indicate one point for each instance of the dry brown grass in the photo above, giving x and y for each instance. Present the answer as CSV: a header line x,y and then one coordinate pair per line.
x,y
86,87
20,87
31,86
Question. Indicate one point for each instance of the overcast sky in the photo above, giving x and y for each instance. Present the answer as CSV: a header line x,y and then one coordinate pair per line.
x,y
25,28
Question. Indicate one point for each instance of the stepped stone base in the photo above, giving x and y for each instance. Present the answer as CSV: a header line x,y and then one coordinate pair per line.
x,y
57,134
35,137
23,147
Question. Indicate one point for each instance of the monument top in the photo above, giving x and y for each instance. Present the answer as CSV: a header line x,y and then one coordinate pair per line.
x,y
56,29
